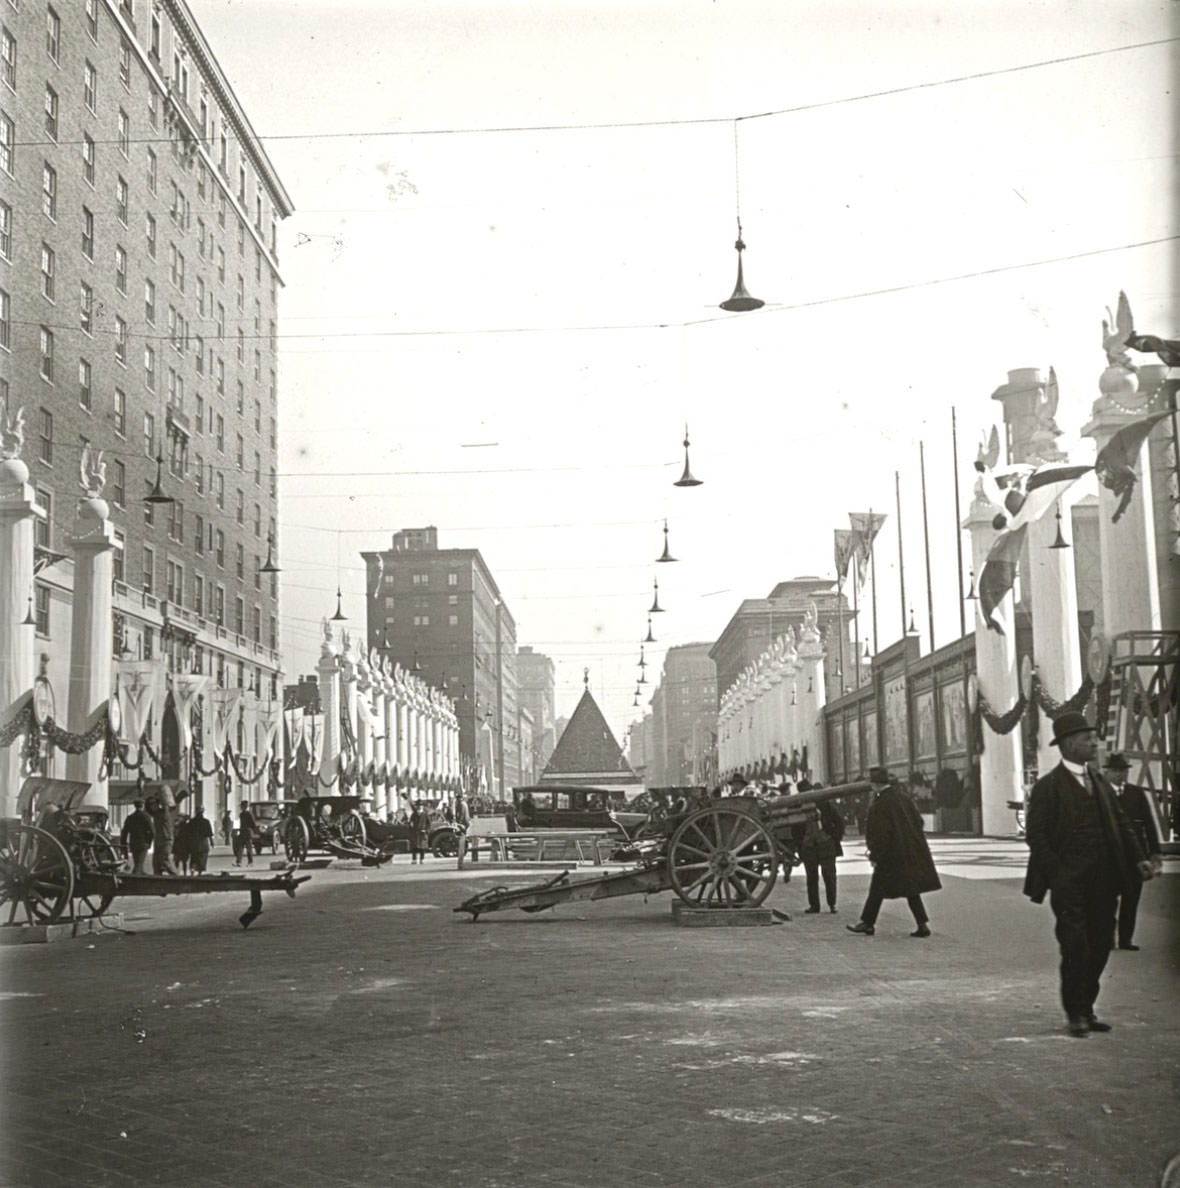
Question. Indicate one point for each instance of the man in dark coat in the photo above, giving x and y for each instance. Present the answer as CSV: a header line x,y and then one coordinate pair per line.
x,y
1083,853
1141,812
902,865
819,849
137,835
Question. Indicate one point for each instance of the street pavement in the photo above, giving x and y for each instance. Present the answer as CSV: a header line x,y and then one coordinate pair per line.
x,y
364,1035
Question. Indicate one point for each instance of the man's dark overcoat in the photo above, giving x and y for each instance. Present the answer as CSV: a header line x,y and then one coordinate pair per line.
x,y
897,846
1047,827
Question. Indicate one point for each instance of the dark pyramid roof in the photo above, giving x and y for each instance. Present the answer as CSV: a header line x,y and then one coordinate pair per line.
x,y
587,749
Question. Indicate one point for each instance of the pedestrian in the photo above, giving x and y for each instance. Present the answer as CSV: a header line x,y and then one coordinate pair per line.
x,y
137,835
1141,811
819,849
161,806
902,865
246,830
462,816
1083,852
200,840
419,833
181,848
227,827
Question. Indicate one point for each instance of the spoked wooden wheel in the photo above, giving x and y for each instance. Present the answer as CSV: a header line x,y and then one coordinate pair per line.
x,y
722,857
96,853
296,839
352,828
36,876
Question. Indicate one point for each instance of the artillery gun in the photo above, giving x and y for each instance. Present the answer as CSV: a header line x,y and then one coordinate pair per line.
x,y
724,855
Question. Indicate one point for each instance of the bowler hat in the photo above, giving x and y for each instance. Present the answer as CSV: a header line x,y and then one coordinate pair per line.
x,y
1117,762
1069,723
878,775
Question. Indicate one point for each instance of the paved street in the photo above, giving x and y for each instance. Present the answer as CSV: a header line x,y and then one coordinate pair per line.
x,y
365,1035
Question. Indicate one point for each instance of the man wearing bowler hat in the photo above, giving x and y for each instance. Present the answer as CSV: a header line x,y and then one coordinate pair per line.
x,y
1136,802
1083,853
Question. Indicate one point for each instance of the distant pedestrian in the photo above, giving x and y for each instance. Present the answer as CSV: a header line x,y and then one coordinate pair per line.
x,y
902,864
462,816
819,849
181,849
137,835
227,827
247,827
200,840
1141,811
419,833
1083,852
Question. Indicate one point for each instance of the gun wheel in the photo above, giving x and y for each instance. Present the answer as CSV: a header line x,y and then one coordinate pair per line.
x,y
36,876
722,857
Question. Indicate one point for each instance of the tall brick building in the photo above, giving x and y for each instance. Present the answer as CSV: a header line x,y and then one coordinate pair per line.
x,y
138,306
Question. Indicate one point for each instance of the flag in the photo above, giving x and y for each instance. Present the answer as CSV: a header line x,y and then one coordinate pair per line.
x,y
843,550
998,575
865,526
1115,463
1028,494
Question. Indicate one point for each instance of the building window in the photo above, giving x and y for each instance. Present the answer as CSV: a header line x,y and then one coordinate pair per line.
x,y
8,57
46,350
421,620
49,190
150,228
50,113
121,268
149,433
88,157
149,568
85,391
119,492
256,625
43,528
219,549
453,620
120,341
452,579
7,137
149,368
125,65
219,616
121,200
5,230
87,233
199,534
174,576
239,618
198,594
120,413
52,34
420,579
153,108
239,562
86,307
92,19
220,433
48,268
41,609
124,135
45,437
149,301
90,86
240,513
5,323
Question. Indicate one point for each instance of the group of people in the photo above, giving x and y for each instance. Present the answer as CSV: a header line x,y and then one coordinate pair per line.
x,y
178,843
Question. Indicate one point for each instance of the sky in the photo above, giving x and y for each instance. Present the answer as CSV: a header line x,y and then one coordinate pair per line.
x,y
515,223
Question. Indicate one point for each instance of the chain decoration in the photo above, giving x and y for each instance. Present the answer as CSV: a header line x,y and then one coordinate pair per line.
x,y
1054,709
1006,722
245,779
201,771
20,723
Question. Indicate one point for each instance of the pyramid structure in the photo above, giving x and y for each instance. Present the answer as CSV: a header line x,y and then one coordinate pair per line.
x,y
588,754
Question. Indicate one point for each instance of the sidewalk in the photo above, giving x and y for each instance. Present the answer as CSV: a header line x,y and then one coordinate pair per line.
x,y
366,1035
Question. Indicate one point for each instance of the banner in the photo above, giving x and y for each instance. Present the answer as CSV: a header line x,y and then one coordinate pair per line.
x,y
225,705
843,546
186,688
865,526
139,681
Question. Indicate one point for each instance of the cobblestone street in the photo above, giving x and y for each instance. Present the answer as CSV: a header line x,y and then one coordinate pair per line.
x,y
366,1035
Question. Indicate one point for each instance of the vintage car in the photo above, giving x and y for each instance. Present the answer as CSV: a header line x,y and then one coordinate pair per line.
x,y
269,817
442,838
541,807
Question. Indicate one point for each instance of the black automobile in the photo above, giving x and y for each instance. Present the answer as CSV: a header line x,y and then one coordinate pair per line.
x,y
442,838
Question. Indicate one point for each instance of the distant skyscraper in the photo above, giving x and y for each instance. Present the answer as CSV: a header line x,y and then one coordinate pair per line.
x,y
535,675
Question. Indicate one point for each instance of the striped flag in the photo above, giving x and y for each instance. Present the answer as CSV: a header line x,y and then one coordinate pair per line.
x,y
843,549
998,575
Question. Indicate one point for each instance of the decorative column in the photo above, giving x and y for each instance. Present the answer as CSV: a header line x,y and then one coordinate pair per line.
x,y
363,719
348,696
1000,766
328,680
18,512
812,695
380,735
1130,578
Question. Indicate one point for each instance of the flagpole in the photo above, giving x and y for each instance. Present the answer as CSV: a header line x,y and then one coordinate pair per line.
x,y
958,526
926,534
900,553
856,618
873,572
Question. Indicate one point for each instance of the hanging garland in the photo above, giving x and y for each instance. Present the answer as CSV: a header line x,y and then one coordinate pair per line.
x,y
245,779
201,771
1006,722
76,744
1054,709
19,723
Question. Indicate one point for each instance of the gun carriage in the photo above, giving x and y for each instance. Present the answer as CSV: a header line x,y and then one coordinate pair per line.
x,y
333,825
59,860
725,854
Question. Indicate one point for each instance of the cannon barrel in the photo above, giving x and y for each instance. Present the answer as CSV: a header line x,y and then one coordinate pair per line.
x,y
819,795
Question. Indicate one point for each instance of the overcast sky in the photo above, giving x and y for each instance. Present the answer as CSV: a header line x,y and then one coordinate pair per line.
x,y
515,222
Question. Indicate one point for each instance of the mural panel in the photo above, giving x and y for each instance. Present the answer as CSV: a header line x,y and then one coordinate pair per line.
x,y
953,704
896,748
924,739
852,732
868,746
836,751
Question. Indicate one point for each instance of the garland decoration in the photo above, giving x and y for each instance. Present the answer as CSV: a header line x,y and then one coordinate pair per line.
x,y
20,723
1054,709
259,771
201,771
1006,722
76,744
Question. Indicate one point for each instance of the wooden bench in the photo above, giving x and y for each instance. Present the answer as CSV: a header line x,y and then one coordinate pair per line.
x,y
537,845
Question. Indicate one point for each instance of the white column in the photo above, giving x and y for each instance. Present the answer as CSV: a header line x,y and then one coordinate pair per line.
x,y
91,638
328,677
1000,766
380,743
18,511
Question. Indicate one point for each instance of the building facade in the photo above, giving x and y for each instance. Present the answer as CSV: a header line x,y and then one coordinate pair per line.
x,y
139,282
537,680
439,614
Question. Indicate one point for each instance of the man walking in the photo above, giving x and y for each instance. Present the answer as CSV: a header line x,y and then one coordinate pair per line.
x,y
902,864
1141,812
200,840
136,835
819,849
1082,852
247,827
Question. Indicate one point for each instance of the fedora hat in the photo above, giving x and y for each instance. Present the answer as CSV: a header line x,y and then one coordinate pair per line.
x,y
1069,723
879,775
1117,761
